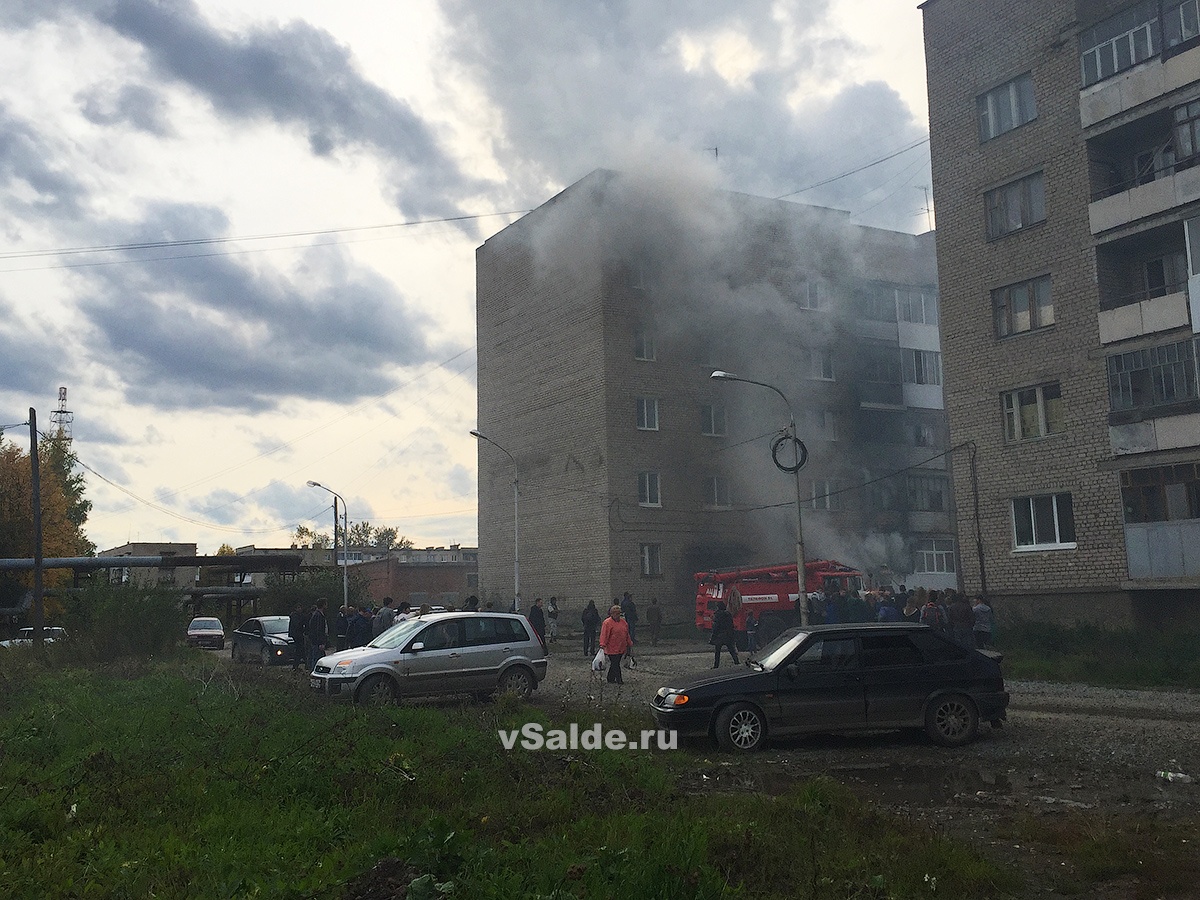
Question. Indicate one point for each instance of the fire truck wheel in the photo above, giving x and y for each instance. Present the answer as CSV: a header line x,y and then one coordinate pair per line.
x,y
741,728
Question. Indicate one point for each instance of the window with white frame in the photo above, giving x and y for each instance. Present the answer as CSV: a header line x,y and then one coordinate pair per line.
x,y
824,493
918,305
1015,205
925,434
822,423
1045,522
926,493
812,293
881,364
879,303
921,366
1166,274
1033,412
647,414
1153,376
643,344
712,420
1187,134
1162,493
651,560
717,490
1006,107
1119,42
817,363
1025,306
648,494
1181,22
934,556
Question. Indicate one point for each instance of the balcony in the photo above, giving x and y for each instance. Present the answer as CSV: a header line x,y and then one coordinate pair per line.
x,y
1141,84
1156,550
1144,201
1145,317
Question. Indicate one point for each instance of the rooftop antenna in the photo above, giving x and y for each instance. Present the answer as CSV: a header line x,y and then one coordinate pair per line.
x,y
716,152
62,417
927,209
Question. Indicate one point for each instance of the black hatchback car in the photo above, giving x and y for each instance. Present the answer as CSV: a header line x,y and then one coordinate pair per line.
x,y
835,678
263,639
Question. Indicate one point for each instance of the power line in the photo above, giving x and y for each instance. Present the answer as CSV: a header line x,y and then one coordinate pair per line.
x,y
855,171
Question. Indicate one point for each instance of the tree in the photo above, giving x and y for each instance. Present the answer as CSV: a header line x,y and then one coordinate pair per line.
x,y
306,537
390,539
63,512
361,534
226,550
56,454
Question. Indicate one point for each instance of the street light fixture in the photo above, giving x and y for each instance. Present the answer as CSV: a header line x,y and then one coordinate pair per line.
x,y
516,519
345,540
801,456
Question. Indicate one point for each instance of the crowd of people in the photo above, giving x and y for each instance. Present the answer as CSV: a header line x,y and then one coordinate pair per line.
x,y
969,621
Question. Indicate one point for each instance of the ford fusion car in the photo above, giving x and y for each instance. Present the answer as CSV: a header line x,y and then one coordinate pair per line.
x,y
835,678
263,639
438,653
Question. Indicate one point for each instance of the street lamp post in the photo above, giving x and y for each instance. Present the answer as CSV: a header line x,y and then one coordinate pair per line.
x,y
516,519
345,540
801,455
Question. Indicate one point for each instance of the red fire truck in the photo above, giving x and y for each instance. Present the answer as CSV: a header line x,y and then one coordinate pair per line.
x,y
770,592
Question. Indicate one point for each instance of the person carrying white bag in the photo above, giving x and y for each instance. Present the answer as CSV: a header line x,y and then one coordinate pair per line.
x,y
615,642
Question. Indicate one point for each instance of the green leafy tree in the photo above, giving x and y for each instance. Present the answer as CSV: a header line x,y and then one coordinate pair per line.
x,y
390,539
306,537
56,454
361,534
226,550
283,594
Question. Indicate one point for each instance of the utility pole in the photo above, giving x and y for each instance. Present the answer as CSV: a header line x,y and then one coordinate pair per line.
x,y
39,614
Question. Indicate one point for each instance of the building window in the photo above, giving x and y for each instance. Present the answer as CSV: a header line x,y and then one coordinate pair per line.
x,y
883,494
717,489
648,489
1023,307
822,423
1152,377
1166,274
817,363
647,414
1033,413
712,420
811,293
918,305
921,366
1007,107
879,303
1161,494
651,560
643,344
825,493
1043,523
934,556
1118,43
1187,134
1181,22
473,580
926,493
925,434
882,364
1015,205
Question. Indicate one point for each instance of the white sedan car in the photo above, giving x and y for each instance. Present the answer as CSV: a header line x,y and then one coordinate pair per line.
x,y
24,637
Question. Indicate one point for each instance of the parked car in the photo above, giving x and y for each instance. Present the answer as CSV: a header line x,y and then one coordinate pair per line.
x,y
438,653
834,678
24,637
206,631
264,639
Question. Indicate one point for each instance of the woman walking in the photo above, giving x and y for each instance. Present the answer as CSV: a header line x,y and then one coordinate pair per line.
x,y
615,642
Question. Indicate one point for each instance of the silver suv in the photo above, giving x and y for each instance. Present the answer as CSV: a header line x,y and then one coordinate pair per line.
x,y
438,653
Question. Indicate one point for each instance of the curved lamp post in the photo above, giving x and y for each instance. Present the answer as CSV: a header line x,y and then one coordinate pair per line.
x,y
516,518
345,540
802,597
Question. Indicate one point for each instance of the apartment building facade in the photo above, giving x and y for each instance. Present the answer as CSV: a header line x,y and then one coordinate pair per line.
x,y
1065,137
601,317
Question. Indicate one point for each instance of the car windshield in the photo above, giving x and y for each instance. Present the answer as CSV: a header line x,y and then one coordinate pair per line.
x,y
778,650
205,625
397,634
275,624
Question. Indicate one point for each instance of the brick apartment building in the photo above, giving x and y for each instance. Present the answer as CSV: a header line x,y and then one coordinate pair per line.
x,y
601,316
1065,139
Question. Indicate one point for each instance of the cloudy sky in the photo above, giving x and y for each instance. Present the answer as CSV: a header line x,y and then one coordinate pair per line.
x,y
242,234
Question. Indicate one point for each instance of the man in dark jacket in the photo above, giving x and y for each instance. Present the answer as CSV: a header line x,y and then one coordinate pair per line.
x,y
723,635
317,633
590,619
358,629
537,618
296,633
630,612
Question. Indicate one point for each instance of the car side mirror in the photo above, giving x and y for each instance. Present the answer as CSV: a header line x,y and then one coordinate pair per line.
x,y
415,647
792,671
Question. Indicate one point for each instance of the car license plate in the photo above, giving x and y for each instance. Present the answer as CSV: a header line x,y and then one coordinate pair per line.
x,y
315,683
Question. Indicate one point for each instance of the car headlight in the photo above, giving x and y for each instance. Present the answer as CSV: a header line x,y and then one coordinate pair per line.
x,y
345,667
671,697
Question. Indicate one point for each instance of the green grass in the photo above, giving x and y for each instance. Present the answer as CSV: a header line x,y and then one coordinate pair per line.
x,y
1091,655
194,779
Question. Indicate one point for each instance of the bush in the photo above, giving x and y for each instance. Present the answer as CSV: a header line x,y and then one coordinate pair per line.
x,y
106,621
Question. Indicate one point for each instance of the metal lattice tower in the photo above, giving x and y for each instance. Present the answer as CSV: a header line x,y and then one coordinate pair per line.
x,y
62,417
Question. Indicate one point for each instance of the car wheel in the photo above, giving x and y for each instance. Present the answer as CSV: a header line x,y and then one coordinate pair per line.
x,y
265,656
741,728
378,690
517,681
951,720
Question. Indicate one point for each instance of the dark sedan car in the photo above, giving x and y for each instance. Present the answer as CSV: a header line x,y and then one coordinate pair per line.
x,y
206,631
834,678
264,639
